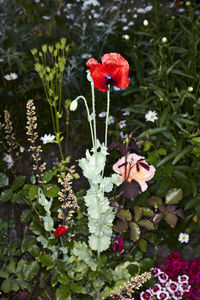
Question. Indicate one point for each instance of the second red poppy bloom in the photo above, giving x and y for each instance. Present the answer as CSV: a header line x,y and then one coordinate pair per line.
x,y
60,230
113,71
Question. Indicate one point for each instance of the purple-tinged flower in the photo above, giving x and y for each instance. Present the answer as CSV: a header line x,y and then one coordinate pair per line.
x,y
162,277
172,286
118,245
164,295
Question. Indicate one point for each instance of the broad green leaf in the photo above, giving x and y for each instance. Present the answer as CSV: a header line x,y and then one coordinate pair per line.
x,y
46,260
63,293
6,195
18,199
82,252
174,196
33,192
51,190
137,213
134,231
77,288
48,175
147,212
18,182
143,245
146,224
31,270
48,223
124,215
121,226
4,273
26,215
146,264
27,242
63,279
171,219
11,267
4,181
9,285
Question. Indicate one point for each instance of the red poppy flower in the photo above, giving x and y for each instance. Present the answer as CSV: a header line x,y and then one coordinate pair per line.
x,y
60,230
113,71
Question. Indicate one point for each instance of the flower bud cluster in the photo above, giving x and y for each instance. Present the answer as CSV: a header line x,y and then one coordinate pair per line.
x,y
38,166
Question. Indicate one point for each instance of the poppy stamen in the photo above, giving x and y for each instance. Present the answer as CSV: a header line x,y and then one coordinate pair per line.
x,y
109,80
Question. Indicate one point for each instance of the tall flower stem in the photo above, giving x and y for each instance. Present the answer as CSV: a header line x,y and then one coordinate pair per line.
x,y
107,114
94,113
88,114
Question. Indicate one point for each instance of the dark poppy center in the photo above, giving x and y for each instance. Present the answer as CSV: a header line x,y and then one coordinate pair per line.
x,y
109,80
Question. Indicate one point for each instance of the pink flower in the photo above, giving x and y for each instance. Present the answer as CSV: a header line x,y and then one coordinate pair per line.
x,y
172,286
163,295
134,167
118,245
145,295
177,295
183,278
157,288
155,271
162,277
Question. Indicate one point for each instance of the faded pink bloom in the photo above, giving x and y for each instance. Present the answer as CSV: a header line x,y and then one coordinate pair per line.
x,y
134,167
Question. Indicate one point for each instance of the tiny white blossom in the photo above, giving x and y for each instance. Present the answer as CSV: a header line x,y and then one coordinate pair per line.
x,y
151,116
21,149
111,120
122,124
141,11
91,117
123,135
86,55
131,23
183,238
10,165
102,114
11,76
126,37
47,138
8,158
125,28
126,113
164,40
88,3
46,17
190,89
145,22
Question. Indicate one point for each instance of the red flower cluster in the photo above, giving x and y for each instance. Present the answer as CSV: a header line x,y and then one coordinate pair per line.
x,y
175,267
113,71
60,230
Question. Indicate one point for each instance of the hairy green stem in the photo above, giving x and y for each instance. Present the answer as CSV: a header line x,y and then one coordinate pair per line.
x,y
107,114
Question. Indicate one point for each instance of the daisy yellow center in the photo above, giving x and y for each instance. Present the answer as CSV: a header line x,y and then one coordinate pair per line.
x,y
47,140
7,158
10,76
152,116
183,237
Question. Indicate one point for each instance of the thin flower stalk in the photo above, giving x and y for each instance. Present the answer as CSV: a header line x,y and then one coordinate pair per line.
x,y
9,134
38,166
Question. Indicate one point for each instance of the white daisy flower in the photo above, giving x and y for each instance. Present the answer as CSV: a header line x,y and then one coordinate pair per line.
x,y
11,76
86,55
123,135
8,158
102,114
151,116
126,113
111,120
183,238
91,117
47,138
164,40
122,124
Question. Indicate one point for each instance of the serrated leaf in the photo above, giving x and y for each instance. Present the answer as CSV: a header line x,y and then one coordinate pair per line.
x,y
4,181
121,226
82,252
134,231
124,215
146,224
174,196
18,182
